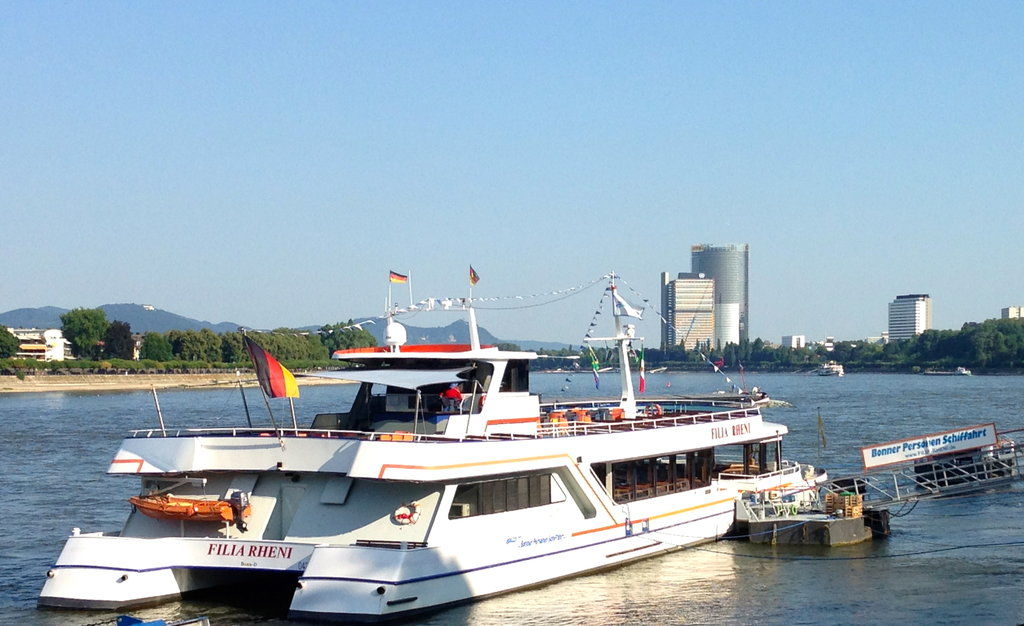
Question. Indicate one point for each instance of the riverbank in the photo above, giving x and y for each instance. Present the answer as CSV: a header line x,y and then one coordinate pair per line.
x,y
134,382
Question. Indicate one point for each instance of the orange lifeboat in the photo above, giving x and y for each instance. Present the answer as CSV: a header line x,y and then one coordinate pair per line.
x,y
190,509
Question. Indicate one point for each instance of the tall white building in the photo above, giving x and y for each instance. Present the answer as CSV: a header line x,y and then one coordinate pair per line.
x,y
727,323
728,265
1012,312
909,315
688,305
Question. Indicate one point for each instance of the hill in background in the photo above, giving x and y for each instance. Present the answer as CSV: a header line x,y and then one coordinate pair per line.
x,y
141,319
144,320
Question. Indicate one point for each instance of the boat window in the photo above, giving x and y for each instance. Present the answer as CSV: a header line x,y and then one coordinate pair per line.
x,y
505,494
517,376
639,479
747,459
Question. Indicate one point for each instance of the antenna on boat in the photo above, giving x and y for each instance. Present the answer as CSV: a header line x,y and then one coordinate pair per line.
x,y
625,335
159,413
245,403
474,330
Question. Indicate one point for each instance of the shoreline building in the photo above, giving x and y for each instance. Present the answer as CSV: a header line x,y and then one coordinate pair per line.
x,y
688,306
909,315
1011,313
41,344
794,341
728,265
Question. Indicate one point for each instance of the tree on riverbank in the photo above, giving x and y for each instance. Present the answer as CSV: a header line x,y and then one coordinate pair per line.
x,y
344,336
84,328
155,347
8,343
118,342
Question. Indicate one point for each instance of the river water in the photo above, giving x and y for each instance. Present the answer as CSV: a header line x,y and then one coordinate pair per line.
x,y
56,448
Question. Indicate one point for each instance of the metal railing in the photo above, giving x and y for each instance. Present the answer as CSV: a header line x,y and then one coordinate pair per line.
x,y
313,433
573,428
933,477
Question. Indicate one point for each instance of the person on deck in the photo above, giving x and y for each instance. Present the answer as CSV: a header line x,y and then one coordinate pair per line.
x,y
451,398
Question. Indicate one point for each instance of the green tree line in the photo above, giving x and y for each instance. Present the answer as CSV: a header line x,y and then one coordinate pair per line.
x,y
995,344
93,338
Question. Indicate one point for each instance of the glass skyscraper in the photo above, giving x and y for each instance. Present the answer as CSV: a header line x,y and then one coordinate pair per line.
x,y
728,265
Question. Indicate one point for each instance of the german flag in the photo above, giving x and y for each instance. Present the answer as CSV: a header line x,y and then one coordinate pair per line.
x,y
474,278
395,277
275,379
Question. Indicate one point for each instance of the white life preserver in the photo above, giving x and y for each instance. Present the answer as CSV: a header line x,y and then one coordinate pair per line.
x,y
407,514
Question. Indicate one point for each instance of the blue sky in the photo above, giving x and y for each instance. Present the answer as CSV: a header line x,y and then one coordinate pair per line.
x,y
268,163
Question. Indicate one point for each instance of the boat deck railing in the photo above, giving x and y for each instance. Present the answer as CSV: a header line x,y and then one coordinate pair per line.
x,y
787,467
674,402
311,433
671,417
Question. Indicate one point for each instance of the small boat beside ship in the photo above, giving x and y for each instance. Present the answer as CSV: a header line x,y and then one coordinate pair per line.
x,y
193,509
400,504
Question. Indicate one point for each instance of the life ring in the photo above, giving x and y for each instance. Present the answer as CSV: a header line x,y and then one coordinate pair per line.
x,y
407,514
653,410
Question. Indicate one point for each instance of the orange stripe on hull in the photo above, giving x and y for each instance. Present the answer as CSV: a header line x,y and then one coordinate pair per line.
x,y
138,463
384,468
440,347
653,517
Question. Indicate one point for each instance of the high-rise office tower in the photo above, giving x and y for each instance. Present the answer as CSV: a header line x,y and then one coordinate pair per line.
x,y
909,315
688,305
728,265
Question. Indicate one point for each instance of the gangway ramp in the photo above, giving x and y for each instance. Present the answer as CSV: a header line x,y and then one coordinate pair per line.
x,y
934,477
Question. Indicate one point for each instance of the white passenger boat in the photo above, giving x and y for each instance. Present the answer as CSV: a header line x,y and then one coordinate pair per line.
x,y
830,369
396,506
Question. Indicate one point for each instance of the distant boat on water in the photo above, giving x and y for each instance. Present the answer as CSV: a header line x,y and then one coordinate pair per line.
x,y
830,369
960,371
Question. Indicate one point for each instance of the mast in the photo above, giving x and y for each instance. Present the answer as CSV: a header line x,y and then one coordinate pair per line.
x,y
624,336
474,330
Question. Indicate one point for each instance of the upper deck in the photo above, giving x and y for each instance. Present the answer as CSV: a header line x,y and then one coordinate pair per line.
x,y
676,413
420,456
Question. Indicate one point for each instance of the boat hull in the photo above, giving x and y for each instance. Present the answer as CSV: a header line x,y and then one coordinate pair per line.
x,y
337,587
99,571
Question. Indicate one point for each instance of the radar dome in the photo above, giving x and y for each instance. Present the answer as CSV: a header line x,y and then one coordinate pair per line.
x,y
394,335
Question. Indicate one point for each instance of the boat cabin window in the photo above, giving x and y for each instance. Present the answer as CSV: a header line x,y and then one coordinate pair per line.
x,y
388,408
639,479
505,494
517,376
749,459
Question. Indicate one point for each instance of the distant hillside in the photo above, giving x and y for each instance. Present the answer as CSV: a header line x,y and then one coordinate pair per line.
x,y
157,320
456,332
139,318
529,344
43,317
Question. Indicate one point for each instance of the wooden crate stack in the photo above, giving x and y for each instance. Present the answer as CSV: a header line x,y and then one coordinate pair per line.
x,y
851,504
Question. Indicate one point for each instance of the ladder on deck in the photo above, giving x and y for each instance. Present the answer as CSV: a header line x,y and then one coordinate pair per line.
x,y
934,477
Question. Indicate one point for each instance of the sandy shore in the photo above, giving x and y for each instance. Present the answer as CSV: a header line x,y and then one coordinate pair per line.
x,y
134,382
